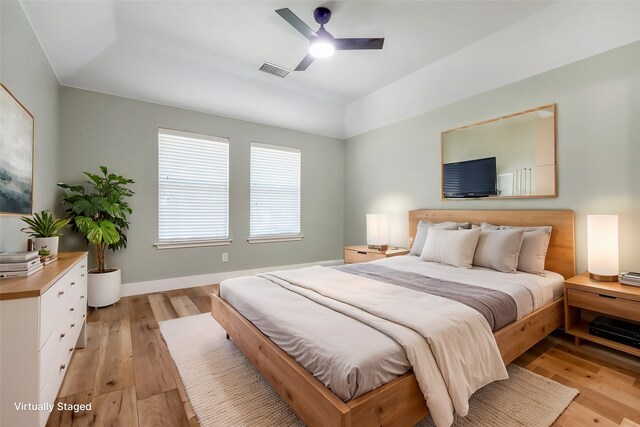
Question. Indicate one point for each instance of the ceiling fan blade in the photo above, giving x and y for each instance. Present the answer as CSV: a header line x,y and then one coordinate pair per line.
x,y
296,23
304,64
354,44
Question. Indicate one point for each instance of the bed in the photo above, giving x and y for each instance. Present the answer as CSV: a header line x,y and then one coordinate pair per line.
x,y
388,396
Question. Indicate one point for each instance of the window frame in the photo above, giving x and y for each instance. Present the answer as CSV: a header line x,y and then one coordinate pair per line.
x,y
195,243
277,237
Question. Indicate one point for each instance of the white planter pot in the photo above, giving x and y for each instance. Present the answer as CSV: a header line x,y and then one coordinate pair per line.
x,y
103,288
50,243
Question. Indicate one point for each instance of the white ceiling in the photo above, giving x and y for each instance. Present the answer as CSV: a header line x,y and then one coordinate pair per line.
x,y
250,32
205,55
236,35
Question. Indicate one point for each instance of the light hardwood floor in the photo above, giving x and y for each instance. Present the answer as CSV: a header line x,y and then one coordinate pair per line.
x,y
127,374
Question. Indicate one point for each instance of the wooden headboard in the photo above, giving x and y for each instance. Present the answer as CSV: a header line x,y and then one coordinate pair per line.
x,y
561,255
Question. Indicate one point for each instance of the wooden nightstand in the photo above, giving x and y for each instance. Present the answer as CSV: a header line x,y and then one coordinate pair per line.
x,y
362,253
584,299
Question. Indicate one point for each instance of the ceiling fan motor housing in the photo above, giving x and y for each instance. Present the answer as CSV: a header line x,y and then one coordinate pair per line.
x,y
322,15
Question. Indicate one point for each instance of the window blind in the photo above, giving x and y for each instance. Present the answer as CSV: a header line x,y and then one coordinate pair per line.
x,y
193,187
275,191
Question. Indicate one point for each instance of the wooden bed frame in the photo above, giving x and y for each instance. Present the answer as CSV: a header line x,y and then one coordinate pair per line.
x,y
400,402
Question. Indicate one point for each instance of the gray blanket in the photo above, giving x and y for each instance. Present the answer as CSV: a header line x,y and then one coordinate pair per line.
x,y
499,308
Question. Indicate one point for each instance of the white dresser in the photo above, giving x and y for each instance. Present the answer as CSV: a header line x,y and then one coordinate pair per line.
x,y
42,320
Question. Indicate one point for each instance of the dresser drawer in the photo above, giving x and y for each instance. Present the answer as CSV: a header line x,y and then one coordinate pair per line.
x,y
351,257
602,303
77,277
54,378
79,303
53,307
52,348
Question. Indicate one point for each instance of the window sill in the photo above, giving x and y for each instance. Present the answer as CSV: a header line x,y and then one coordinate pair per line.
x,y
198,244
274,239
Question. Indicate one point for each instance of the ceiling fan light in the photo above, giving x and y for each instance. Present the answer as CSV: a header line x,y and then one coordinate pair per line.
x,y
321,49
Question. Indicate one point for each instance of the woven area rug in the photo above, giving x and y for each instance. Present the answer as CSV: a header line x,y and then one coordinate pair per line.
x,y
226,390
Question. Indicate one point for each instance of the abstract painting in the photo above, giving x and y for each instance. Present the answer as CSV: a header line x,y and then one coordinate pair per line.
x,y
16,156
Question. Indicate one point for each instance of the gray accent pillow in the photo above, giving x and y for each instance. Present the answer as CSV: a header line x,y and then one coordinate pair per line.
x,y
423,229
453,247
499,249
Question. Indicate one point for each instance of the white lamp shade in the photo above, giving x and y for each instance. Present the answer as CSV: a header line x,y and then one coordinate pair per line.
x,y
602,245
377,229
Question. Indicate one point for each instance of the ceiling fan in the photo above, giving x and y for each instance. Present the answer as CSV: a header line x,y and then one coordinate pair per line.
x,y
321,43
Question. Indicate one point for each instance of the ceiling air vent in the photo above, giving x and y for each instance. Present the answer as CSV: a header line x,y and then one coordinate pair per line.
x,y
274,69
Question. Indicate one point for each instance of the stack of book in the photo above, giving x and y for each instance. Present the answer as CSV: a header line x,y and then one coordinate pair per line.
x,y
630,278
48,259
19,264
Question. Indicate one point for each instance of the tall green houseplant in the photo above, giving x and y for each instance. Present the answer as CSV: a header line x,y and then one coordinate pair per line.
x,y
100,211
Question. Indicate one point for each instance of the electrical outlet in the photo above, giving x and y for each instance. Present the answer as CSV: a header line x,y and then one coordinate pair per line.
x,y
225,257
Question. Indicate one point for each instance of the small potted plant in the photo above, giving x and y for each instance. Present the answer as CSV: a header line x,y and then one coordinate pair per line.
x,y
44,227
100,212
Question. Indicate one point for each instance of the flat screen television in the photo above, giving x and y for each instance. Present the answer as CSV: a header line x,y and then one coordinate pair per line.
x,y
471,178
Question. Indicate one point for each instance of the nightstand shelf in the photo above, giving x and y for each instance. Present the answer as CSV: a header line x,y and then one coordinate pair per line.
x,y
581,331
588,298
362,253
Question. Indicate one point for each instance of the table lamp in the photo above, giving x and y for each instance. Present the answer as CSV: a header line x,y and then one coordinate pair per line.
x,y
378,231
602,247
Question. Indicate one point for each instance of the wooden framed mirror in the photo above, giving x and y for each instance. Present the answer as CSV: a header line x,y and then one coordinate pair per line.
x,y
513,156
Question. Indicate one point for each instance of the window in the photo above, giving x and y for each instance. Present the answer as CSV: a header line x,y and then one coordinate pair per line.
x,y
275,193
193,190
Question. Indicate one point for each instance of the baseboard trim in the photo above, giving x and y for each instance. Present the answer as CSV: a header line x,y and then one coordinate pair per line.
x,y
162,285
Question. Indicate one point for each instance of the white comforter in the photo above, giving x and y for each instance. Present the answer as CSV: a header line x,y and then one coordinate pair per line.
x,y
450,346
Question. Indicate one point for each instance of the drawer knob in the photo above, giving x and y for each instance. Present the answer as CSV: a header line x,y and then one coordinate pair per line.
x,y
82,266
84,315
73,325
72,308
62,366
81,296
82,275
73,283
70,349
362,253
60,293
62,335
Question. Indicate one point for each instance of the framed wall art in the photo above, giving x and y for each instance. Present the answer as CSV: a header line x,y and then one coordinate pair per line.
x,y
16,156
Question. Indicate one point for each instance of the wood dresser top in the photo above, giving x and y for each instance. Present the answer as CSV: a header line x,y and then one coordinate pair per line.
x,y
37,284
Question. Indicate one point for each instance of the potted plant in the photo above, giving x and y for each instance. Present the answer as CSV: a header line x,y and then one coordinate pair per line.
x,y
100,212
44,227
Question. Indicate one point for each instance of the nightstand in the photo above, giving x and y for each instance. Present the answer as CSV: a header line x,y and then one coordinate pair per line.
x,y
585,299
362,253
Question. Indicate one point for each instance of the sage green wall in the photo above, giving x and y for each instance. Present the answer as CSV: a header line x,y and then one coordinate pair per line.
x,y
397,168
25,71
99,129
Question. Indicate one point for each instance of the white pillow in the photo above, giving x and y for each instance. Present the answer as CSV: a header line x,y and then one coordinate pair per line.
x,y
453,247
487,226
423,229
535,243
534,248
499,249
